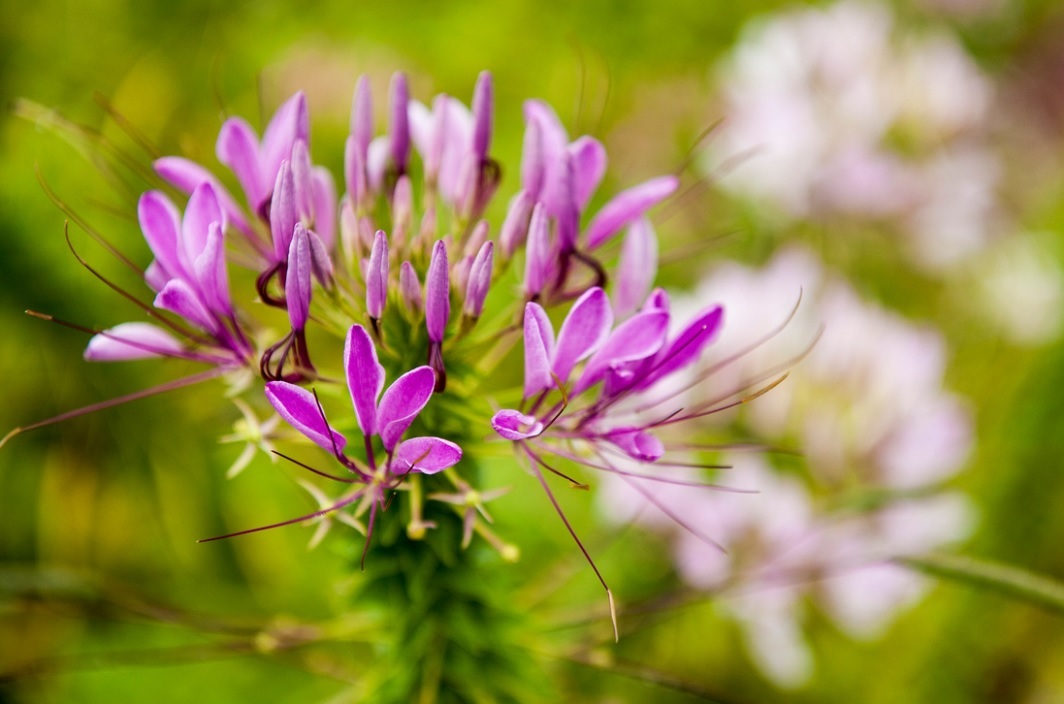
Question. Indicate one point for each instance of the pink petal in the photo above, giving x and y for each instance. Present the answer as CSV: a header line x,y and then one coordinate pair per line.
x,y
212,276
585,329
399,124
589,165
185,175
323,195
427,455
437,293
238,148
201,211
636,269
539,347
284,212
401,403
633,341
637,444
354,172
160,222
687,346
515,226
514,425
178,297
131,341
479,280
365,377
482,116
300,409
297,283
362,116
538,265
377,276
628,205
289,123
410,287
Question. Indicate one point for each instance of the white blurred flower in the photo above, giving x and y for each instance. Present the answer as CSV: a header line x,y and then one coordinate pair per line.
x,y
836,112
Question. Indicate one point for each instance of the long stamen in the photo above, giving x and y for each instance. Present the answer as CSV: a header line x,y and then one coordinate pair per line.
x,y
317,514
311,469
572,532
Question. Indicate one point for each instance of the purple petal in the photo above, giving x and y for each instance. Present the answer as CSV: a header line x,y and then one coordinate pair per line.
x,y
410,287
283,212
437,293
160,222
320,261
687,346
301,179
637,267
514,425
539,347
628,205
585,329
354,172
482,116
637,444
300,409
537,253
562,205
377,163
131,341
238,148
323,195
533,161
427,455
185,175
401,403
362,116
156,276
212,276
399,125
402,210
365,377
297,281
515,226
657,300
201,211
289,123
479,281
178,297
589,165
377,276
633,341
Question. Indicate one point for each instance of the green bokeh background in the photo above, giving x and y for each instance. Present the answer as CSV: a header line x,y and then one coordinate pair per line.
x,y
99,515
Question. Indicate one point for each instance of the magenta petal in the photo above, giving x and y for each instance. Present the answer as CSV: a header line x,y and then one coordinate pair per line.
x,y
479,280
537,253
301,179
687,346
657,300
300,409
533,162
185,175
323,196
633,341
637,444
637,267
399,125
354,172
365,377
410,287
427,455
283,212
201,211
482,116
515,227
401,403
514,425
212,276
628,205
362,116
238,148
539,348
437,293
160,222
178,297
131,341
297,284
589,165
562,204
377,276
585,328
289,123
320,261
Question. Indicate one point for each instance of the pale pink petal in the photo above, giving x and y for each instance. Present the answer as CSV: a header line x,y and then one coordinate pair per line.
x,y
131,341
514,425
628,205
